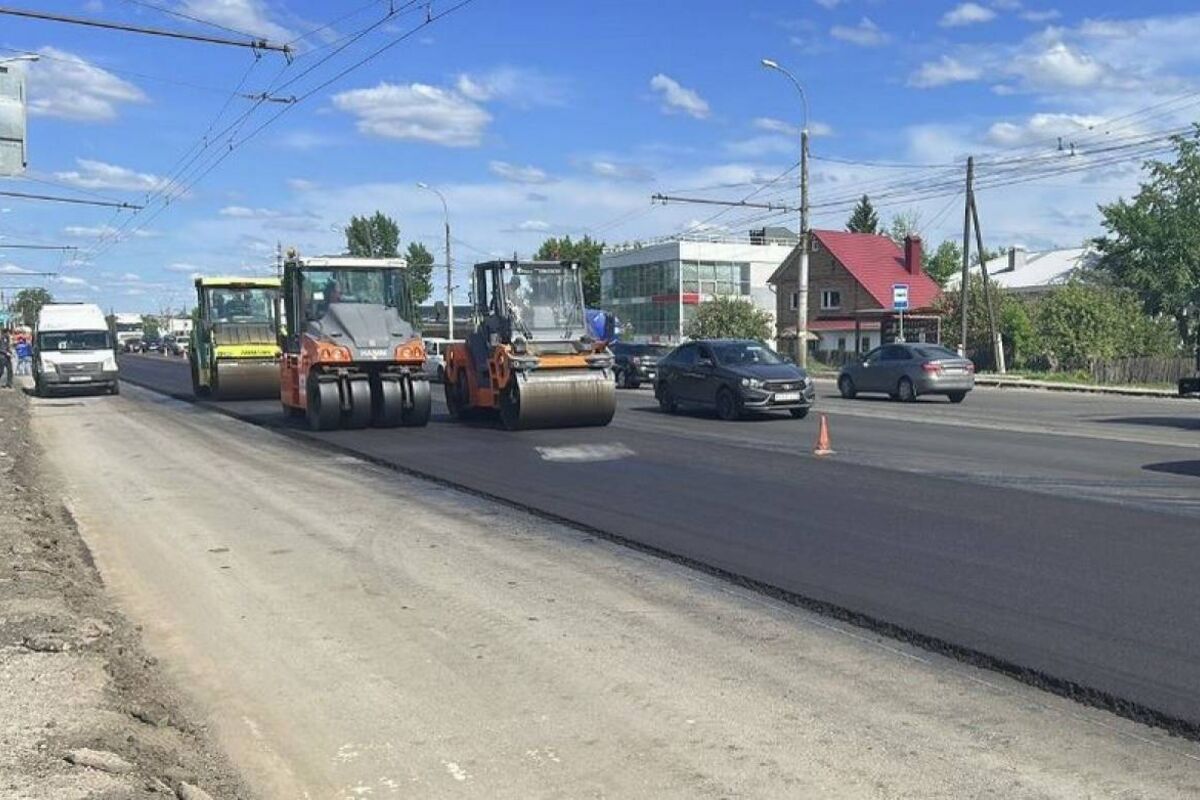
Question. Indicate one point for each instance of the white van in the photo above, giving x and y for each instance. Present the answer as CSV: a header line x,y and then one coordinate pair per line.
x,y
72,346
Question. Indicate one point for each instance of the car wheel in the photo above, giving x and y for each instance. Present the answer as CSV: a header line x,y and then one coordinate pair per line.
x,y
619,378
957,397
905,391
666,401
846,387
727,405
798,413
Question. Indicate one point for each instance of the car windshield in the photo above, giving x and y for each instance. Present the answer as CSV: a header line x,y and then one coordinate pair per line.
x,y
544,302
735,354
935,351
73,340
368,286
232,304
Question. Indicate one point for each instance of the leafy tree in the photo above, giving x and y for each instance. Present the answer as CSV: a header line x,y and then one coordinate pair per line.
x,y
1078,324
29,302
730,318
1153,240
587,252
864,219
420,271
945,262
376,236
150,327
906,223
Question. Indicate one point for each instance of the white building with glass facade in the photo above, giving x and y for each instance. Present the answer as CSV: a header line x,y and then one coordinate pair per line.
x,y
655,287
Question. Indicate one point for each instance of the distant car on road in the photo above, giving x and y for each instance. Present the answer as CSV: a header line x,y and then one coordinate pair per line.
x,y
733,376
634,363
152,344
905,371
435,358
175,345
132,345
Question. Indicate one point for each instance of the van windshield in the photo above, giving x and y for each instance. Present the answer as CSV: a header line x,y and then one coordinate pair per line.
x,y
49,341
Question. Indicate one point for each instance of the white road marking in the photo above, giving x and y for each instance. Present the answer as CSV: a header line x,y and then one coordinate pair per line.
x,y
584,453
457,772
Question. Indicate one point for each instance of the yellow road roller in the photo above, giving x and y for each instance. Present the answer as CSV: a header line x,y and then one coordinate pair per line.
x,y
235,351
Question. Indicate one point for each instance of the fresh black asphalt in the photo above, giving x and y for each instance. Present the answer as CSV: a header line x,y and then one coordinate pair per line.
x,y
1095,599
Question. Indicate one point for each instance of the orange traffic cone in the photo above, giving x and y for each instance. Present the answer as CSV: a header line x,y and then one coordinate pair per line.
x,y
824,447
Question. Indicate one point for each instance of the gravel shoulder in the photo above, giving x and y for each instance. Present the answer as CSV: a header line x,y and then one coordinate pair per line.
x,y
85,712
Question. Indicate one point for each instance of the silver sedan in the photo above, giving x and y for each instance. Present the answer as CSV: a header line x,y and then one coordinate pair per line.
x,y
906,371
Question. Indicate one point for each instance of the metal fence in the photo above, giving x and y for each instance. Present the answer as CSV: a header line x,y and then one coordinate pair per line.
x,y
1149,369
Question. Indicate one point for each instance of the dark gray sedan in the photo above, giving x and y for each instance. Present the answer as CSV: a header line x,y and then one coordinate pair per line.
x,y
907,371
733,376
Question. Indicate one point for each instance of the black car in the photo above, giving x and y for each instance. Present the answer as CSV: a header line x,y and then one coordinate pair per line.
x,y
152,345
635,363
732,376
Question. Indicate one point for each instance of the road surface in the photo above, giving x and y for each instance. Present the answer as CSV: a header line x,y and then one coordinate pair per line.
x,y
355,633
1049,536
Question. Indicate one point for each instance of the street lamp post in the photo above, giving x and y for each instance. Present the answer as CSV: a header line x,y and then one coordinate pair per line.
x,y
449,267
802,277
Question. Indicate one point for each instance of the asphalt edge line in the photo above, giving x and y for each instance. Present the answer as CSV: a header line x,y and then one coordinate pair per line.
x,y
1062,687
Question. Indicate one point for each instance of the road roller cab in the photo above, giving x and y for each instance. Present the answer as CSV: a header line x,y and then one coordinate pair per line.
x,y
352,356
530,356
234,351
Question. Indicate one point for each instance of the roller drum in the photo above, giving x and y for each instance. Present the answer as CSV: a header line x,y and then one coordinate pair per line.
x,y
246,380
565,398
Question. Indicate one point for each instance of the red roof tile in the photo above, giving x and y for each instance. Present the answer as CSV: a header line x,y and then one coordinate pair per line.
x,y
877,262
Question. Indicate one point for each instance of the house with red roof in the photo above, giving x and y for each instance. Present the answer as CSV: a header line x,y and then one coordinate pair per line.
x,y
850,279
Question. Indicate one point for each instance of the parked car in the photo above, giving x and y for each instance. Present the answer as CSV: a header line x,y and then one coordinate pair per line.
x,y
152,344
435,358
175,345
132,345
907,371
732,376
634,364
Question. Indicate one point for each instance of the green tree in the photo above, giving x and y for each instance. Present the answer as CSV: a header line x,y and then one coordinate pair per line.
x,y
420,271
29,302
587,252
864,219
1077,324
150,326
377,236
945,262
906,223
1153,240
730,318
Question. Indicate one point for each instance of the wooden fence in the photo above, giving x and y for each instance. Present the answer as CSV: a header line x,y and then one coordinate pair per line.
x,y
1149,369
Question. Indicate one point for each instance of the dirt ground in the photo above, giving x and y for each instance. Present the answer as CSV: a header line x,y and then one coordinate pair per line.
x,y
84,711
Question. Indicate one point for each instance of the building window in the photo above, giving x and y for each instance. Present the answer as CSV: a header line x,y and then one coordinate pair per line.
x,y
841,344
794,301
831,299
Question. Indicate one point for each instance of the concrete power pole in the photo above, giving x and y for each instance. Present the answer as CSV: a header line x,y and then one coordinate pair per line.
x,y
966,255
449,286
802,278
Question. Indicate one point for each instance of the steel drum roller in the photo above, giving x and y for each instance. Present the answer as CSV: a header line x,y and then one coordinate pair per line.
x,y
246,380
559,398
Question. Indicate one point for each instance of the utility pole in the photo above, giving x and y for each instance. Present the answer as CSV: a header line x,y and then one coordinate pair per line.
x,y
964,294
997,341
449,285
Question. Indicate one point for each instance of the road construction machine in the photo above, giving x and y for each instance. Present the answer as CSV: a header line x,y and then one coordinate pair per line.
x,y
234,345
352,354
530,357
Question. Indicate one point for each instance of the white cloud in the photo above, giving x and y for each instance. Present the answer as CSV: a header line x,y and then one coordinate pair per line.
x,y
943,71
73,281
248,16
417,112
517,173
1059,66
66,86
1041,128
613,170
524,88
530,226
301,185
966,14
106,231
1040,16
100,175
830,4
675,97
182,267
865,34
13,269
759,146
303,140
242,212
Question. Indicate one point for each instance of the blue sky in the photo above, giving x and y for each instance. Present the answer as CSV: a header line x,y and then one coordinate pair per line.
x,y
549,118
